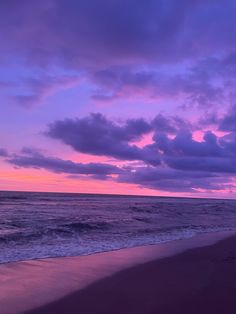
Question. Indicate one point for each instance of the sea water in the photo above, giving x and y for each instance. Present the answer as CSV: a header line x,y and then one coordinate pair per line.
x,y
40,225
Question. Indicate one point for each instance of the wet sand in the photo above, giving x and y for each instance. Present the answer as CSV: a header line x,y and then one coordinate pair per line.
x,y
177,277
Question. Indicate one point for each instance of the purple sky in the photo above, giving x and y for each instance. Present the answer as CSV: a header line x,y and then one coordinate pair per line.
x,y
118,96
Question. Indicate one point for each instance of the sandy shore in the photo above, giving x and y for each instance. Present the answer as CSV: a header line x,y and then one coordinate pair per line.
x,y
176,277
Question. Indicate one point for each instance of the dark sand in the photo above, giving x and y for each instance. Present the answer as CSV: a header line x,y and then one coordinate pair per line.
x,y
200,280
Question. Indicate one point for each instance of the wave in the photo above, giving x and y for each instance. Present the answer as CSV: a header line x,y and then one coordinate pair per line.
x,y
63,230
42,224
84,226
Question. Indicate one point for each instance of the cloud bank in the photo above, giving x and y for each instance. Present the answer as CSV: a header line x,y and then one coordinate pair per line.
x,y
173,161
159,48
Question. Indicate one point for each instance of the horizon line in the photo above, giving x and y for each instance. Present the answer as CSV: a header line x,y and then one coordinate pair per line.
x,y
124,195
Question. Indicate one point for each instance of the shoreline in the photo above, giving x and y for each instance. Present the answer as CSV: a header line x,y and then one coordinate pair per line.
x,y
32,284
207,233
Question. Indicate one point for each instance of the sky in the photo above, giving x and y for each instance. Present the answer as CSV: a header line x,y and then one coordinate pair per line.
x,y
118,96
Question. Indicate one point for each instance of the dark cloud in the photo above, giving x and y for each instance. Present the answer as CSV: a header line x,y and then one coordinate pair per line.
x,y
185,179
183,144
174,160
208,164
116,43
228,142
173,141
103,31
32,159
167,179
228,122
162,124
212,154
97,135
193,87
3,152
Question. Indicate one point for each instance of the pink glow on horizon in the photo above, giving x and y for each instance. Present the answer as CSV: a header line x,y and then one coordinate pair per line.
x,y
41,181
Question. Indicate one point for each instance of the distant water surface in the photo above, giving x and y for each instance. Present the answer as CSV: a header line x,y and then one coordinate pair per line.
x,y
38,225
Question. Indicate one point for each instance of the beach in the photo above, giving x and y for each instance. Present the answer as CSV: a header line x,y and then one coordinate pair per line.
x,y
196,275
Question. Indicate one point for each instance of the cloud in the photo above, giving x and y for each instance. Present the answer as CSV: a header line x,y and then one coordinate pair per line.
x,y
208,81
174,160
99,136
102,32
183,144
159,177
213,154
167,179
208,164
172,142
3,152
123,54
191,87
33,159
228,121
35,90
75,31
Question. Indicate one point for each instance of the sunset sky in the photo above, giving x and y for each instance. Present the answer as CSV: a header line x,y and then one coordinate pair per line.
x,y
118,96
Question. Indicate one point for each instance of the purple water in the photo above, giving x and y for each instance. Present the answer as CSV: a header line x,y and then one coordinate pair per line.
x,y
38,225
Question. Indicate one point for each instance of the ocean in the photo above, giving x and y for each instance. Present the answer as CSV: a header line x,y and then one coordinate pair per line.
x,y
40,225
